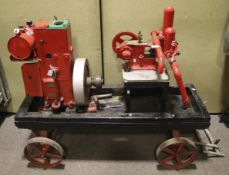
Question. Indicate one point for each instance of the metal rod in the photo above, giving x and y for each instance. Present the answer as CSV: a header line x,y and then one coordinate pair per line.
x,y
101,38
209,136
214,153
207,144
104,96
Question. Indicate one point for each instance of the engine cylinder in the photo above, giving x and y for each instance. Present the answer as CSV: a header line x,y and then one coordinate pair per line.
x,y
21,46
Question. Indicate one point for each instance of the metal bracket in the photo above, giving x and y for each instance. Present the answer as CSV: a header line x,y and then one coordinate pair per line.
x,y
211,147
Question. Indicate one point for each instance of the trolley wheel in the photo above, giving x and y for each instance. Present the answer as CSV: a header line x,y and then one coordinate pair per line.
x,y
176,153
43,152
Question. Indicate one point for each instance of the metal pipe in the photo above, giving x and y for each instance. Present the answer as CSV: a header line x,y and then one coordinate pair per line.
x,y
159,52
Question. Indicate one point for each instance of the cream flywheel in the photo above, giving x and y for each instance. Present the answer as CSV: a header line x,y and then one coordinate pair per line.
x,y
80,86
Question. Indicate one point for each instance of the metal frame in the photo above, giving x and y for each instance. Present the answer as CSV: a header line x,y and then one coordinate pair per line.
x,y
116,119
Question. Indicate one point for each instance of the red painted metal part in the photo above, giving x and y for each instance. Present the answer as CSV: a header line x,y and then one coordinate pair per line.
x,y
134,54
119,40
51,77
169,37
171,50
166,46
21,46
56,44
168,18
159,53
32,79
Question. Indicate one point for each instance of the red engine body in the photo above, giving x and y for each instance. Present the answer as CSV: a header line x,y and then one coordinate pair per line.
x,y
48,45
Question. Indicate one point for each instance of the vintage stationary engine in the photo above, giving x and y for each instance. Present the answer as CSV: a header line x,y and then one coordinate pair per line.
x,y
144,61
50,72
62,97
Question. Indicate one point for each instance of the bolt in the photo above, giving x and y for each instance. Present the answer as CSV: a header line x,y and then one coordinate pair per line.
x,y
141,56
41,42
16,31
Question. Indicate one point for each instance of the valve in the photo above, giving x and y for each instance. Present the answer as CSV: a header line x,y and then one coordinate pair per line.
x,y
120,38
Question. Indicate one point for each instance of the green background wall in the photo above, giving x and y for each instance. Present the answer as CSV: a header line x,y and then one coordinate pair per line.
x,y
200,26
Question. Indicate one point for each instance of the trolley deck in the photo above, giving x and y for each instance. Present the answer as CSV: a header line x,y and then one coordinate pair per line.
x,y
113,117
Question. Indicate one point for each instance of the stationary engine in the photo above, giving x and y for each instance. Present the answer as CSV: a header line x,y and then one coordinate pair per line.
x,y
146,103
144,61
50,71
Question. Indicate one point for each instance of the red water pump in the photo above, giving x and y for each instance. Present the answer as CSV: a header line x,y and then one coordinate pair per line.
x,y
50,73
150,55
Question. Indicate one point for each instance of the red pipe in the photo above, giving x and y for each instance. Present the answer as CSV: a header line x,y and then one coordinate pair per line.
x,y
171,51
178,76
159,53
168,18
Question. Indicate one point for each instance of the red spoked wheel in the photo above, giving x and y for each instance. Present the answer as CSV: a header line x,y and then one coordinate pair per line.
x,y
43,152
122,37
176,153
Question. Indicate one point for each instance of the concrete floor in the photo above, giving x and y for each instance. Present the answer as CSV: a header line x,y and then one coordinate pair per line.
x,y
105,154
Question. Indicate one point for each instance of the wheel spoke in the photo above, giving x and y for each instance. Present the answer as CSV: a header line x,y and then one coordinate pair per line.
x,y
178,160
120,40
36,155
180,147
168,158
52,155
188,153
168,150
